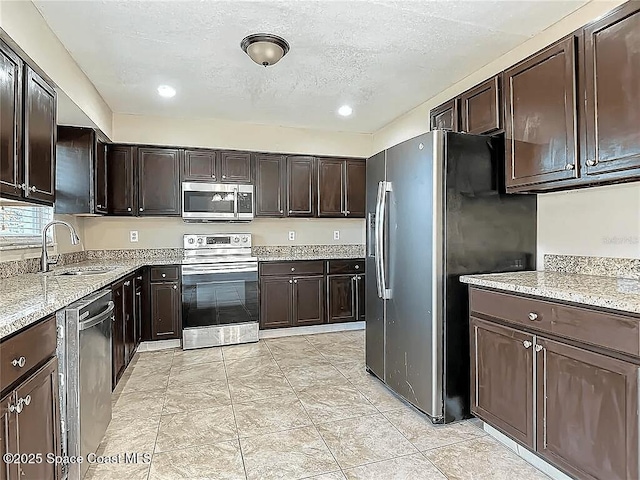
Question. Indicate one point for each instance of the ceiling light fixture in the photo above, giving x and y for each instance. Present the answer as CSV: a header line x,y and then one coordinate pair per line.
x,y
166,91
345,110
264,49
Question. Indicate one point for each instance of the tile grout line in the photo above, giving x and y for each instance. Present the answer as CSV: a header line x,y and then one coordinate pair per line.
x,y
307,413
233,411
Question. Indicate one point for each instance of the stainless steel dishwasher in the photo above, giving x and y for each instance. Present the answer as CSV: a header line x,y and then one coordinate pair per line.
x,y
84,354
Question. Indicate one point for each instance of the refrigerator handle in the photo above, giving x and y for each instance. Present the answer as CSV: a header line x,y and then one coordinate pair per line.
x,y
385,292
377,241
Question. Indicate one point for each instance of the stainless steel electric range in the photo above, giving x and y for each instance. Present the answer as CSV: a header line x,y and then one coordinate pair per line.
x,y
219,291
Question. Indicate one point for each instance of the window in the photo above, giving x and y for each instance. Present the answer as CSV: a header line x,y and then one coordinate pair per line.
x,y
21,224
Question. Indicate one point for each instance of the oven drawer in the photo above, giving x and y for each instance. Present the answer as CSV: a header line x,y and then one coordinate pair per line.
x,y
350,266
27,350
166,273
311,267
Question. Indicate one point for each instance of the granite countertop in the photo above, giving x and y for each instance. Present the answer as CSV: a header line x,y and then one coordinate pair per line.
x,y
307,252
25,299
598,291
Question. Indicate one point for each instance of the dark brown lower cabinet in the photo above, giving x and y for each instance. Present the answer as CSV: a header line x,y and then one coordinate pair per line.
x,y
341,305
128,299
587,412
275,302
574,404
138,309
291,301
117,333
30,421
165,310
502,386
308,301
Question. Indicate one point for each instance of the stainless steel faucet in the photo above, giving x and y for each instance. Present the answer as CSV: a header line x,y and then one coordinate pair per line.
x,y
44,258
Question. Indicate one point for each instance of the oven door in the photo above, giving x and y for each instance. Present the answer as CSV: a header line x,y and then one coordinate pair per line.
x,y
217,201
214,295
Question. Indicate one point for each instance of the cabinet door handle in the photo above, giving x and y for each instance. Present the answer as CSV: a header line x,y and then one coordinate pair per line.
x,y
11,407
213,176
127,283
538,348
527,344
175,287
592,163
128,209
347,212
281,211
22,186
224,176
295,281
569,166
533,316
19,362
138,294
141,209
290,281
33,189
99,206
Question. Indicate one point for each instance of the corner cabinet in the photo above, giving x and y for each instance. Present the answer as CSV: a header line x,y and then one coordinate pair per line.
x,y
27,132
612,95
540,117
560,379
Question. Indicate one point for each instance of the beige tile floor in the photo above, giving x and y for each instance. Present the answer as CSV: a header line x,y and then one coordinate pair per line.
x,y
287,408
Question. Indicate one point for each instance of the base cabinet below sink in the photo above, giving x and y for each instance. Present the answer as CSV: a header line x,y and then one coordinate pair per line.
x,y
574,404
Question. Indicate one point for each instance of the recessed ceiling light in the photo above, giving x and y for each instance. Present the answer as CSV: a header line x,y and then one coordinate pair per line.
x,y
166,91
345,110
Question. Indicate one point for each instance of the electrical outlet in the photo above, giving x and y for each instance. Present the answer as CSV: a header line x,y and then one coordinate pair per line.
x,y
336,234
133,236
292,236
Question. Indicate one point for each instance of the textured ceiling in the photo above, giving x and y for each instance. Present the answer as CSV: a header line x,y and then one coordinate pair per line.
x,y
381,57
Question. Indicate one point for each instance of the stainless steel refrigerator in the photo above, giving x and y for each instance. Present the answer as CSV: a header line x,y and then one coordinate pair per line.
x,y
436,210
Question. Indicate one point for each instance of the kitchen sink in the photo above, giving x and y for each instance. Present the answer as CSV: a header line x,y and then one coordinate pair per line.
x,y
87,271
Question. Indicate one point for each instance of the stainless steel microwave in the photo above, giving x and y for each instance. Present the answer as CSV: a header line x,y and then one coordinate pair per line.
x,y
210,202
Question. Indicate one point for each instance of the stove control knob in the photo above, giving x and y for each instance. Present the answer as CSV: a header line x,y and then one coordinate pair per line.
x,y
191,241
199,240
245,239
236,239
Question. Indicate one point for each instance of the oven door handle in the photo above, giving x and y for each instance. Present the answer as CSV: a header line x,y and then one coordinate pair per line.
x,y
210,271
235,202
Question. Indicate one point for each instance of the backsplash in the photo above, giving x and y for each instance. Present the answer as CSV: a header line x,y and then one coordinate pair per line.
x,y
600,266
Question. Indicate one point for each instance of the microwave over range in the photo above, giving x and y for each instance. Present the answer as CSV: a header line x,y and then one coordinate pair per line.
x,y
211,202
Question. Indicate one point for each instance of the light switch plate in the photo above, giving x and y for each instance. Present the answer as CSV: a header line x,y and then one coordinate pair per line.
x,y
292,236
336,234
133,236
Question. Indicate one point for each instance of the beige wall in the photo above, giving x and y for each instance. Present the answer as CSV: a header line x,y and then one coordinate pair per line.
x,y
24,24
213,133
113,233
603,221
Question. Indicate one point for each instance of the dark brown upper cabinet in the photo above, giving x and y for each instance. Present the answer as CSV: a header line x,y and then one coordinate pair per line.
x,y
540,117
301,186
331,186
100,177
81,171
501,380
612,95
158,181
341,187
122,199
600,438
356,188
39,138
271,185
445,116
235,167
11,165
200,165
481,108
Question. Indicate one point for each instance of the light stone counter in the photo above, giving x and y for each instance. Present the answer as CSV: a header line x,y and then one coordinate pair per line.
x,y
598,291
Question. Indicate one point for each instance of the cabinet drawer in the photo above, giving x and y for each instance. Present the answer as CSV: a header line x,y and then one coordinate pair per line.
x,y
34,345
313,267
165,274
345,266
607,330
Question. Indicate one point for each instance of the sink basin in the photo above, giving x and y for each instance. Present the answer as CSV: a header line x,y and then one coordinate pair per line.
x,y
88,271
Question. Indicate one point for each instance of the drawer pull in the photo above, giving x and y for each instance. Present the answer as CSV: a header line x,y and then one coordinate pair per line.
x,y
164,275
293,269
357,267
539,347
527,344
533,316
19,362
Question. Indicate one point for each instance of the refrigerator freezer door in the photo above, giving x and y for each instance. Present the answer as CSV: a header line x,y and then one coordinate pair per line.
x,y
413,324
374,303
